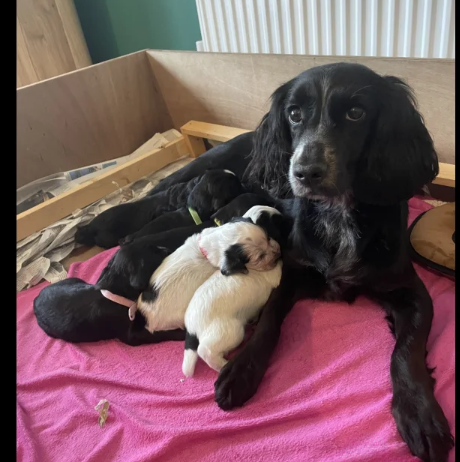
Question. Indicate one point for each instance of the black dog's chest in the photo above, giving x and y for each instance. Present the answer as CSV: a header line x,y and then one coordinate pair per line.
x,y
327,240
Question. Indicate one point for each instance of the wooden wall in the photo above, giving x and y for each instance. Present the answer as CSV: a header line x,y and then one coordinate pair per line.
x,y
50,41
108,110
104,111
234,89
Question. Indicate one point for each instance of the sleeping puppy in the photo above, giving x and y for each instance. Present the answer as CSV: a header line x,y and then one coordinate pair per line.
x,y
221,307
75,311
182,217
235,247
206,194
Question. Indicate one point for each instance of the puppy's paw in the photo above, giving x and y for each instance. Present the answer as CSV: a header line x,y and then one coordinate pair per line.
x,y
422,425
238,381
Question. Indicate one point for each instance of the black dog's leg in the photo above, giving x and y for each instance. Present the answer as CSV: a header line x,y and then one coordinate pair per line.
x,y
143,337
239,379
419,418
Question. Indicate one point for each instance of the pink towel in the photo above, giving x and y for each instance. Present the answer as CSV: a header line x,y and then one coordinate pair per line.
x,y
325,397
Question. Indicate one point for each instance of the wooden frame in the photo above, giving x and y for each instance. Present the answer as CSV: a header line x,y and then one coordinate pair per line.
x,y
86,193
192,143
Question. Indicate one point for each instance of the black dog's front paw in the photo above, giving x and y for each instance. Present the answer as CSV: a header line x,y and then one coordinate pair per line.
x,y
422,425
238,381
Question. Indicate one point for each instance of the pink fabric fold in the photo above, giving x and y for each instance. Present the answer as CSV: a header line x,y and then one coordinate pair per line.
x,y
325,397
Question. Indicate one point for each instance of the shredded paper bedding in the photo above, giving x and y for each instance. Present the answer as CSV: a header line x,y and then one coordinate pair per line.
x,y
40,255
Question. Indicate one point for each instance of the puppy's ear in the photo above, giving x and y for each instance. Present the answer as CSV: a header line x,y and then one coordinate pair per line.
x,y
400,158
272,147
235,260
138,277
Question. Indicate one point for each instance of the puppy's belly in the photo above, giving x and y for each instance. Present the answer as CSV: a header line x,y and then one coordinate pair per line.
x,y
162,317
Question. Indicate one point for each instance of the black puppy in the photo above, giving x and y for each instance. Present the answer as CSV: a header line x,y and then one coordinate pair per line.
x,y
182,217
75,311
205,194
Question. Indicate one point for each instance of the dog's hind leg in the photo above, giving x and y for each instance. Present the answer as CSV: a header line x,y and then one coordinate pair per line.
x,y
220,338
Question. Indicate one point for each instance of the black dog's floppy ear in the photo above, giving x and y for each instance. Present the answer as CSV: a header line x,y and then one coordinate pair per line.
x,y
400,158
235,261
272,145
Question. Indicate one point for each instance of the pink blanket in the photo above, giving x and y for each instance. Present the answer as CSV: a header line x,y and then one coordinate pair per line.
x,y
325,397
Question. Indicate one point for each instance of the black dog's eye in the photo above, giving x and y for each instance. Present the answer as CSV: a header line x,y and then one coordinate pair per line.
x,y
295,115
355,113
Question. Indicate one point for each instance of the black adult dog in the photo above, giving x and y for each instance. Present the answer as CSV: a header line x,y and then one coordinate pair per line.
x,y
75,311
206,193
350,148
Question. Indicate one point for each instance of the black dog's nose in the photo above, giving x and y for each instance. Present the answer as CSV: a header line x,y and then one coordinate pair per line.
x,y
311,173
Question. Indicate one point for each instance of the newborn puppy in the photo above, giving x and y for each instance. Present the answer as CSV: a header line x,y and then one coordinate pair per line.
x,y
75,311
221,307
206,194
182,217
235,247
238,207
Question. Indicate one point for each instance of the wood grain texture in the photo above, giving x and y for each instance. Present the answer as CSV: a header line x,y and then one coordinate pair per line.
x,y
74,33
25,72
88,192
211,131
195,145
88,116
234,89
54,41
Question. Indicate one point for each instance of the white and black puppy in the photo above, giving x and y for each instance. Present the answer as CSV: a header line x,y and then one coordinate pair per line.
x,y
221,307
235,247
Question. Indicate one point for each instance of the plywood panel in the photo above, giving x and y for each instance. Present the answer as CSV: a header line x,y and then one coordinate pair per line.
x,y
74,33
50,40
45,37
88,116
25,72
234,89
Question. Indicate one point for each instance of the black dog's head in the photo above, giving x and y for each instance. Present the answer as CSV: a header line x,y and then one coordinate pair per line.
x,y
341,129
129,270
214,189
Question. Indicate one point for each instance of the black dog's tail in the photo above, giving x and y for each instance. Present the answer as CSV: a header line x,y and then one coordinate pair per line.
x,y
190,354
85,235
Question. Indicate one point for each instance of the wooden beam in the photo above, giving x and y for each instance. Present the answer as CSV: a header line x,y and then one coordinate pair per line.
x,y
211,131
446,175
90,191
195,145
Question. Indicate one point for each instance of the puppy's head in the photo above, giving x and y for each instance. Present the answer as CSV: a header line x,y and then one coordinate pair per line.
x,y
129,270
341,129
214,189
240,245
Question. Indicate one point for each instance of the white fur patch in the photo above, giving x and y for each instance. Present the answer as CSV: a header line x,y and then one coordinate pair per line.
x,y
219,310
254,212
182,272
